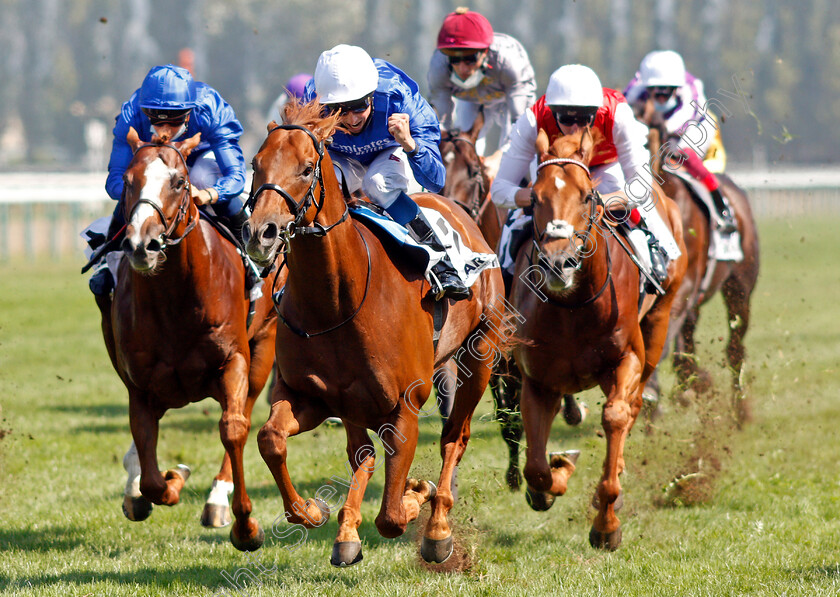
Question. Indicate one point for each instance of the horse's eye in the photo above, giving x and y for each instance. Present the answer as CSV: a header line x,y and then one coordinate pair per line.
x,y
307,172
179,184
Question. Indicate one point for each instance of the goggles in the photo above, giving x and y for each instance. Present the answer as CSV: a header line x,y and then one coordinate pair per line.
x,y
354,107
574,115
661,92
161,117
472,58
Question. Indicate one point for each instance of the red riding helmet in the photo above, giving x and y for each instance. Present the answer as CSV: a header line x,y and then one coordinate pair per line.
x,y
464,29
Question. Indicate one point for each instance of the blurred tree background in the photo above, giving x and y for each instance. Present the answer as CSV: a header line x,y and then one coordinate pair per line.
x,y
67,65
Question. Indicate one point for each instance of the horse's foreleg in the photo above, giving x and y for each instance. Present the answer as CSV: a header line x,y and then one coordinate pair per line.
x,y
401,501
437,543
623,390
234,426
546,480
157,488
290,416
361,455
505,386
689,374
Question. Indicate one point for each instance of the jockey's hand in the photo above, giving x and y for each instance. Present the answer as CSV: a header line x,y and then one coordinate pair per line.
x,y
398,127
203,196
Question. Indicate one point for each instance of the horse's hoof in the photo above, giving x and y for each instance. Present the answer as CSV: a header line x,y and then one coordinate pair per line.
x,y
182,470
250,545
617,505
574,413
607,541
215,516
539,500
346,553
436,551
514,479
563,459
137,508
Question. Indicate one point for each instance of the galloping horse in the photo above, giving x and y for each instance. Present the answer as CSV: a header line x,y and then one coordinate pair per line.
x,y
176,333
578,294
357,338
705,277
468,184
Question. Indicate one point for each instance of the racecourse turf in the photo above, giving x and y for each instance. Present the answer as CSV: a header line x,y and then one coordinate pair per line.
x,y
760,515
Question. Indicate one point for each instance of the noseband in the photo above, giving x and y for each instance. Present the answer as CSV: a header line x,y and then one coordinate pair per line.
x,y
299,208
169,230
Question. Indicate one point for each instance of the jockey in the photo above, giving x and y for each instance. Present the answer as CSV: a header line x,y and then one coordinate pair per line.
x,y
169,102
294,88
387,142
678,96
619,165
475,67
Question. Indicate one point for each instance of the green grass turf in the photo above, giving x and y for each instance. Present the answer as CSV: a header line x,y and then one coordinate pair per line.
x,y
766,521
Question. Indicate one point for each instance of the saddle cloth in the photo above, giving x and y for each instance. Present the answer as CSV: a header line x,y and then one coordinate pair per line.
x,y
466,262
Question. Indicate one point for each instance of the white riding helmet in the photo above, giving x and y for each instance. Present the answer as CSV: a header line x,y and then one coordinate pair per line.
x,y
662,69
574,85
345,73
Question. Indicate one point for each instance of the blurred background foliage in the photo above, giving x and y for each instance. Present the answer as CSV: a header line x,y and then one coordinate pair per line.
x,y
67,65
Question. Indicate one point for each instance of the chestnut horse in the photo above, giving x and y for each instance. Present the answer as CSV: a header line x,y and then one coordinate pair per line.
x,y
735,280
578,293
356,340
176,333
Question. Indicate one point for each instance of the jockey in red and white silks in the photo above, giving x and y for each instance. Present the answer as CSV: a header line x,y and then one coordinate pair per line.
x,y
620,162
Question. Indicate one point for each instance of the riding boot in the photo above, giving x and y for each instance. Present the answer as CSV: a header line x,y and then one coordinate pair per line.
x,y
448,279
727,219
101,282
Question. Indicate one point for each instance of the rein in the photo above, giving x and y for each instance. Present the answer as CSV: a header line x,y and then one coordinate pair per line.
x,y
299,208
182,209
594,200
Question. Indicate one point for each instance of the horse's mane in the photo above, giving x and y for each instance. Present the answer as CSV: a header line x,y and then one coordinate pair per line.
x,y
311,116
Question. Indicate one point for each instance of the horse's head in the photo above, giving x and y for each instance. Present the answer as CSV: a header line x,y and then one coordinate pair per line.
x,y
466,177
288,184
565,206
156,198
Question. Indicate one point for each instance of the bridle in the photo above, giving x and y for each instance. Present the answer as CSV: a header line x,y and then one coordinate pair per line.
x,y
474,207
183,208
593,198
299,209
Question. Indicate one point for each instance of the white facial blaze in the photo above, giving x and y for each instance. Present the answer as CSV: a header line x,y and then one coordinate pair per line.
x,y
450,155
559,182
559,229
157,174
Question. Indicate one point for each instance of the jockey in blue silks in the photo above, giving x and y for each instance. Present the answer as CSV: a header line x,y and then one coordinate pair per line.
x,y
387,142
169,102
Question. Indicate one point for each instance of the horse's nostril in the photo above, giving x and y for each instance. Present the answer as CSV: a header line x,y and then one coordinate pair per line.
x,y
125,246
154,246
269,232
246,232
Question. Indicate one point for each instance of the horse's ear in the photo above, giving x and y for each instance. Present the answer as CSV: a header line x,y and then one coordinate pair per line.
x,y
133,139
478,124
272,125
589,139
542,142
187,146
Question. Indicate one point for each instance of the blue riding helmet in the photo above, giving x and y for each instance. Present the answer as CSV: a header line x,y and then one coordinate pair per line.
x,y
168,87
